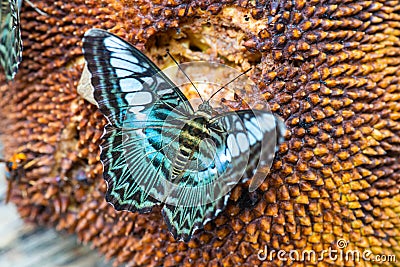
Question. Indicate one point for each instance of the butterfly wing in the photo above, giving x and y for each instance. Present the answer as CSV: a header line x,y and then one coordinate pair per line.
x,y
138,100
266,132
242,139
10,39
121,73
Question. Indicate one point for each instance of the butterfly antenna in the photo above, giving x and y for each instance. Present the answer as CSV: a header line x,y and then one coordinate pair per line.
x,y
185,75
224,86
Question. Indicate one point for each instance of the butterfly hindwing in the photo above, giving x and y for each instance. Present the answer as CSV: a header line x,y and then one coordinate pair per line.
x,y
10,39
245,133
122,192
183,221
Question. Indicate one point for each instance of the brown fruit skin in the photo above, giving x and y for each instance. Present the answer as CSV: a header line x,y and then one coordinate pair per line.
x,y
329,68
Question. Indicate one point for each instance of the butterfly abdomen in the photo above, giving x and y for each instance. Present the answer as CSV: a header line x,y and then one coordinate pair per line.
x,y
190,137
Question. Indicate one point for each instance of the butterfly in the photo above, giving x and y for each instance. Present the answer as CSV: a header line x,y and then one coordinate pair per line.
x,y
10,38
10,35
157,150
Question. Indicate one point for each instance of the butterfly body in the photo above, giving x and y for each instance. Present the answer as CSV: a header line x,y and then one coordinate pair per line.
x,y
157,150
189,140
197,129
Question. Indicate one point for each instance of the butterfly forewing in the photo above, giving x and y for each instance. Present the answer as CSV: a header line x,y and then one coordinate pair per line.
x,y
123,77
10,39
132,97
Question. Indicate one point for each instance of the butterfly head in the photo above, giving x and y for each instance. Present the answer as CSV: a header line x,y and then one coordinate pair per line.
x,y
205,110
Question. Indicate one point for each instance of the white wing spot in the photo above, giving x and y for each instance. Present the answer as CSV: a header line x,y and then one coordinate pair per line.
x,y
139,98
132,59
128,98
130,84
125,64
122,72
242,141
144,64
226,119
232,146
252,139
114,49
147,80
252,127
112,42
225,158
164,92
239,125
